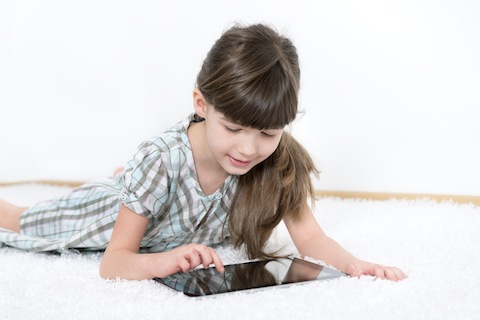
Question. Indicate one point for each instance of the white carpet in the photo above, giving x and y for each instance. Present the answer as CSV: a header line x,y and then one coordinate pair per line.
x,y
437,245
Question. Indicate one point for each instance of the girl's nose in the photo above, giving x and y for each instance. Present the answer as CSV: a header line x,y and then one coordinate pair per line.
x,y
247,146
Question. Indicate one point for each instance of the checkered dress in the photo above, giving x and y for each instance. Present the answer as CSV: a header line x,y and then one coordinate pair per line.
x,y
159,183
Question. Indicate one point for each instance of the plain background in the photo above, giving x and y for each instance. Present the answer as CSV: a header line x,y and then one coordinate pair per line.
x,y
390,89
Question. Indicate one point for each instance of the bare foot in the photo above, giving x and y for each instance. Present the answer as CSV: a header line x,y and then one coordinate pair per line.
x,y
10,215
118,170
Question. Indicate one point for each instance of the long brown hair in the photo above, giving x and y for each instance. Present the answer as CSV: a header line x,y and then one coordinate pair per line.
x,y
252,76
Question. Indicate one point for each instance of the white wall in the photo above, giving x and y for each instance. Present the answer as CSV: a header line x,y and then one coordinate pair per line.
x,y
391,89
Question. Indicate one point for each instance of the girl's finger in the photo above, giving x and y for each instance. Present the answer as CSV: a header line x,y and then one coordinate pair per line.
x,y
217,261
183,263
391,274
195,258
379,272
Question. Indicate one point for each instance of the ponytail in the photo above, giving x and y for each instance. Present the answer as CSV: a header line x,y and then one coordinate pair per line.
x,y
274,189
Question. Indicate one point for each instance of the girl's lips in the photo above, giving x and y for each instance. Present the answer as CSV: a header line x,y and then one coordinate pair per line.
x,y
239,163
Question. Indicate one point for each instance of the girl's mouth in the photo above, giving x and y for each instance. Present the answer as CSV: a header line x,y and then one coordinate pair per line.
x,y
239,163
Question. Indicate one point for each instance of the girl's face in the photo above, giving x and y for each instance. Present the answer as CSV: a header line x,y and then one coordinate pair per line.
x,y
236,148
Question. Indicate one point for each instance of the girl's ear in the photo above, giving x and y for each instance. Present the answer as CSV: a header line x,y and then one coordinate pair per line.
x,y
199,103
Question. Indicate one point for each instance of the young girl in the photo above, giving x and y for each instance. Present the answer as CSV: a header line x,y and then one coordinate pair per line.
x,y
228,172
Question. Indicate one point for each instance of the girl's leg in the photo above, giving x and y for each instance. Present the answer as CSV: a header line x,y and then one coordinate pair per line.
x,y
10,215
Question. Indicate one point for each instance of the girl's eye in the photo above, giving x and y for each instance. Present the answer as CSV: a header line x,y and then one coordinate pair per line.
x,y
268,135
231,129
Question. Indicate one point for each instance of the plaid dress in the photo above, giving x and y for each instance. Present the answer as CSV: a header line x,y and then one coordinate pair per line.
x,y
159,183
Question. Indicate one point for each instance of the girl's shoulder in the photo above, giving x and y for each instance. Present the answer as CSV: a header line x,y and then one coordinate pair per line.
x,y
175,137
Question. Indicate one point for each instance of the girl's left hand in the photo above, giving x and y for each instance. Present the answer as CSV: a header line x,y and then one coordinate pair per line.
x,y
363,268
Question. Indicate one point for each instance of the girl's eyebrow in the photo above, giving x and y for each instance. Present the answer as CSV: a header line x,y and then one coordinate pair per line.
x,y
224,117
273,130
230,121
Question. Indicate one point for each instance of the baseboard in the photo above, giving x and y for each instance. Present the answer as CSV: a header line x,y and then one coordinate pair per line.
x,y
386,196
319,193
57,183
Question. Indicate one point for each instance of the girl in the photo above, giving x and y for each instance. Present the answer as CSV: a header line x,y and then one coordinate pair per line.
x,y
228,172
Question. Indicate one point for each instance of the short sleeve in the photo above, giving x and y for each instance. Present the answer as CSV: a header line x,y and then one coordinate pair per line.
x,y
146,181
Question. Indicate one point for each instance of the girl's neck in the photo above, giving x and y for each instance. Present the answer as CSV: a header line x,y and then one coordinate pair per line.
x,y
210,174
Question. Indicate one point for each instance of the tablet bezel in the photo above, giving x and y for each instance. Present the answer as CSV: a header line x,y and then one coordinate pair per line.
x,y
287,281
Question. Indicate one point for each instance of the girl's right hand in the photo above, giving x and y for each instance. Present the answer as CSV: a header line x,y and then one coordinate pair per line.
x,y
188,257
122,260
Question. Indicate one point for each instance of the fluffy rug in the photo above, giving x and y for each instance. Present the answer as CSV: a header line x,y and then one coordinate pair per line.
x,y
436,244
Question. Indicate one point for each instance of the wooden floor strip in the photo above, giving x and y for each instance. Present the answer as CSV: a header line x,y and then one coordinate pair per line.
x,y
57,183
409,196
319,193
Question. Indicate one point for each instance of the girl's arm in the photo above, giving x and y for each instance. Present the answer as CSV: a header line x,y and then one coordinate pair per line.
x,y
122,260
311,241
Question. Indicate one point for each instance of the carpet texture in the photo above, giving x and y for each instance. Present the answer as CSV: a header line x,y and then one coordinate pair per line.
x,y
436,244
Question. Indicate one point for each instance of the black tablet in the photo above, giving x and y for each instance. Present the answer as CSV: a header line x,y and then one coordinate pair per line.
x,y
248,276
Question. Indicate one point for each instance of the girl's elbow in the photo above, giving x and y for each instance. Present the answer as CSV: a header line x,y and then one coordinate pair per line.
x,y
104,270
104,274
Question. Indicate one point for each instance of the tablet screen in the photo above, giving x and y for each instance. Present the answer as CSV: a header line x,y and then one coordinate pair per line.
x,y
246,276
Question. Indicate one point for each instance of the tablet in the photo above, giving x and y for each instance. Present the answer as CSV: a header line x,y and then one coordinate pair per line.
x,y
253,275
